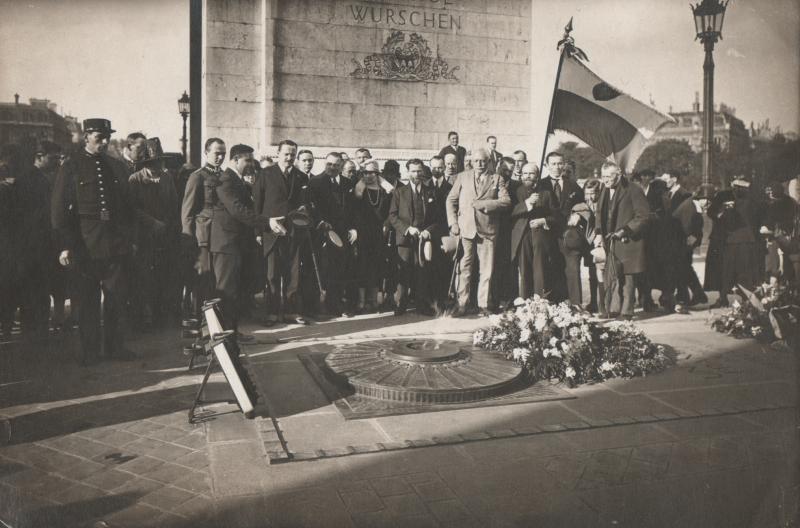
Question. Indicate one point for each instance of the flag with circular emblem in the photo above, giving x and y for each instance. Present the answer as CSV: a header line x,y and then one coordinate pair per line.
x,y
613,123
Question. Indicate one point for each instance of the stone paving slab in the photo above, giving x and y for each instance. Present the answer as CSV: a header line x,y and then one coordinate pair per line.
x,y
724,460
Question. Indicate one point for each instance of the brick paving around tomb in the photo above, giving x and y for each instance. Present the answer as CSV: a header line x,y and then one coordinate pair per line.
x,y
710,442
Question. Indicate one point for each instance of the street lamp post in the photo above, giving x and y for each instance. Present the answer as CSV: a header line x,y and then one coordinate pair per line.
x,y
708,18
183,110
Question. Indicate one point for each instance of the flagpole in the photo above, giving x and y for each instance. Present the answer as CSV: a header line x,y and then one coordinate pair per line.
x,y
552,110
565,44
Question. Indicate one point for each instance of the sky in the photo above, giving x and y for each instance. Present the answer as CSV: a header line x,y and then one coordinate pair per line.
x,y
647,49
128,60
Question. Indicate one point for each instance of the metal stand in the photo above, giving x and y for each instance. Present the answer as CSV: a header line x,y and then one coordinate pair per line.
x,y
193,416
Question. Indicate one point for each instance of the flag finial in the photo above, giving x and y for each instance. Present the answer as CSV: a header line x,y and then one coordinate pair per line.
x,y
567,43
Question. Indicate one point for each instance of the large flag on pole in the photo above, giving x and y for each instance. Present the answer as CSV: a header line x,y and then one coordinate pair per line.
x,y
616,125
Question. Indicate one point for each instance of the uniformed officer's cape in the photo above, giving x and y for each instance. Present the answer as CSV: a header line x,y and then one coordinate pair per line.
x,y
611,122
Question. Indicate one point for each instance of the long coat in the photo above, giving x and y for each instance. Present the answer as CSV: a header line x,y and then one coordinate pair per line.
x,y
275,196
474,210
76,207
628,211
571,195
520,215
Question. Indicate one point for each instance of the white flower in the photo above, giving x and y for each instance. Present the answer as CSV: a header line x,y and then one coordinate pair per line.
x,y
604,336
499,337
574,331
553,341
525,335
606,366
521,354
570,372
551,352
565,348
519,301
477,337
539,323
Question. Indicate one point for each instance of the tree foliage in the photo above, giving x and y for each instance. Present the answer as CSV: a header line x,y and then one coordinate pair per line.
x,y
672,155
586,158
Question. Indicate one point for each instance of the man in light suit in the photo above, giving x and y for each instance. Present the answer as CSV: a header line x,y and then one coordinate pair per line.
x,y
622,216
473,205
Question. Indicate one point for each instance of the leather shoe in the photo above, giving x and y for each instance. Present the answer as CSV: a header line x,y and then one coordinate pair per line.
x,y
459,311
681,309
698,299
485,312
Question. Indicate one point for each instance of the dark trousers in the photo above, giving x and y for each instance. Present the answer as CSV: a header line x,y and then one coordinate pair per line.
x,y
687,277
283,275
532,263
617,282
566,283
35,298
227,269
413,276
106,276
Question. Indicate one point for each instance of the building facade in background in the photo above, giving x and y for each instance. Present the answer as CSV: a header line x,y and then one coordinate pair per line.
x,y
730,132
25,124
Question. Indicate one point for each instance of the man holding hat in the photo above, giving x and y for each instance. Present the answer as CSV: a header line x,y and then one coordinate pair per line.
x,y
413,215
279,190
215,212
93,221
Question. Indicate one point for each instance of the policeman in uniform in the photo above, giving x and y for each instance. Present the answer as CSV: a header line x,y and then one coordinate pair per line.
x,y
93,221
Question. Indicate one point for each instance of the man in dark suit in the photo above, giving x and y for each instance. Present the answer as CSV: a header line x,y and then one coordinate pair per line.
x,y
653,189
682,233
494,155
413,215
455,149
442,264
622,216
280,189
567,263
532,243
335,210
216,212
93,221
36,253
505,283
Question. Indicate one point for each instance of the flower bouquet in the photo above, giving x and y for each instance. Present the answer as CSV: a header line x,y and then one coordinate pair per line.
x,y
768,313
560,341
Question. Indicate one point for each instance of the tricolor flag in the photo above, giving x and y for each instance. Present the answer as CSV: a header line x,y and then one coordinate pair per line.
x,y
616,125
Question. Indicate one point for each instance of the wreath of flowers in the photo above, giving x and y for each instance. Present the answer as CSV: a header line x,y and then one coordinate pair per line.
x,y
768,313
559,341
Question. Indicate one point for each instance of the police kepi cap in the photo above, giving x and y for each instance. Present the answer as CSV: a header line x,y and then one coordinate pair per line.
x,y
97,124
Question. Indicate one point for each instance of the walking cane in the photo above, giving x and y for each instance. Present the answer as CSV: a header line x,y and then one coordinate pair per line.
x,y
322,293
455,275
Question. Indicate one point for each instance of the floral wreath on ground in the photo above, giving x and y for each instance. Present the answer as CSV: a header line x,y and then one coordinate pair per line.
x,y
561,341
770,313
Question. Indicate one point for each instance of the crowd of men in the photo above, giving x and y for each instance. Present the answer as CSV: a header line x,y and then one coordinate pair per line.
x,y
129,239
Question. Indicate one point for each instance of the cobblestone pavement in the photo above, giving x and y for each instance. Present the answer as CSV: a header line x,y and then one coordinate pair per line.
x,y
715,443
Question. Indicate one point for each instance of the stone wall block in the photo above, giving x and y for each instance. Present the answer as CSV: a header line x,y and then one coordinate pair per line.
x,y
233,88
232,61
233,35
233,10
